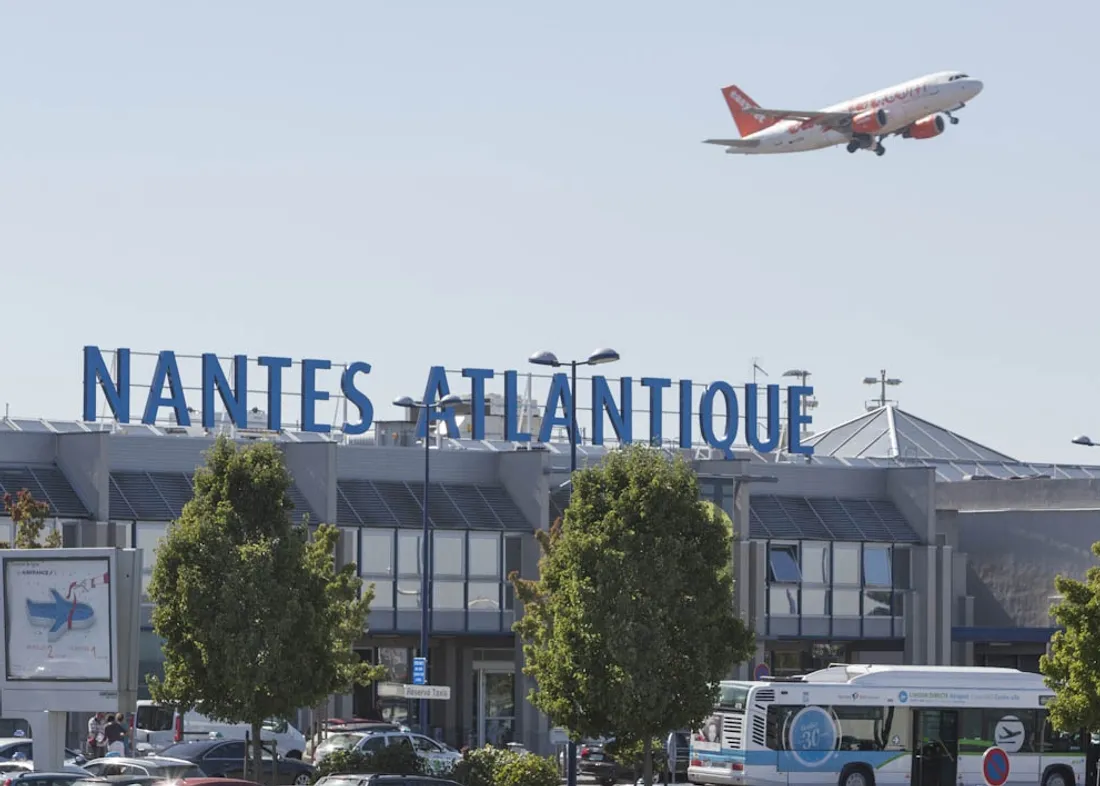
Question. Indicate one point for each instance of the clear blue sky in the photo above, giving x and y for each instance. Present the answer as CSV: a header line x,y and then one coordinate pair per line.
x,y
463,183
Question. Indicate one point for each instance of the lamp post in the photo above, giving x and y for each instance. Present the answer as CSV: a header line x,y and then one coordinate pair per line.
x,y
425,597
597,358
883,382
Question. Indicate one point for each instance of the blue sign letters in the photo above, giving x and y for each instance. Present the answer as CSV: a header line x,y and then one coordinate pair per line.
x,y
228,387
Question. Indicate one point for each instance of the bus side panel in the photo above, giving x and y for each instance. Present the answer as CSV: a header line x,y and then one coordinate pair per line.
x,y
891,768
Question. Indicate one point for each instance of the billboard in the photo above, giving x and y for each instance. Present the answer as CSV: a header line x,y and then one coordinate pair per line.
x,y
59,619
71,627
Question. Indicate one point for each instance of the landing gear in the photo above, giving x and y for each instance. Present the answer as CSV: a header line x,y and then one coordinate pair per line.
x,y
880,150
954,120
853,146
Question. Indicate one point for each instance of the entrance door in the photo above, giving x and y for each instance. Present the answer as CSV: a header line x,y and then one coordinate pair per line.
x,y
495,705
935,747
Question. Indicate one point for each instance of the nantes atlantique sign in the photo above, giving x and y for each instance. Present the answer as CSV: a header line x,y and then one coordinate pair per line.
x,y
229,387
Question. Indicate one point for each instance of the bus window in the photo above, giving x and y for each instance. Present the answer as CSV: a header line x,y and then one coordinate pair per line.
x,y
1060,741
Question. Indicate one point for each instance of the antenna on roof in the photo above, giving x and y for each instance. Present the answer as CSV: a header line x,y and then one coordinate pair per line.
x,y
883,382
808,403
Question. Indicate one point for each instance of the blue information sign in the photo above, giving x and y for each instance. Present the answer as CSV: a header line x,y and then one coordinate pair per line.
x,y
420,671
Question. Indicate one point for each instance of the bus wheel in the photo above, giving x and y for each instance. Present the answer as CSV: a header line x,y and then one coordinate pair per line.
x,y
1057,776
861,775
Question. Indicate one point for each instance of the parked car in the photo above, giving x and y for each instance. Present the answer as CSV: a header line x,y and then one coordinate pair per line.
x,y
226,759
13,747
26,765
162,767
346,740
383,780
594,761
39,778
122,780
158,726
436,756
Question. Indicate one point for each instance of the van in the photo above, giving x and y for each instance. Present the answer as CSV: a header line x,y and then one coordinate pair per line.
x,y
158,725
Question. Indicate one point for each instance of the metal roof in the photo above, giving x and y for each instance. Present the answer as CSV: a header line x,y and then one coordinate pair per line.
x,y
890,432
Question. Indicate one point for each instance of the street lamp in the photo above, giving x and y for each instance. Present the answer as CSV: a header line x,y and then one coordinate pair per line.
x,y
597,358
1083,440
425,598
883,382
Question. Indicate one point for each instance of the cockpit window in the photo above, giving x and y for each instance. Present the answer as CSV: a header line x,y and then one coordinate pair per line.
x,y
958,76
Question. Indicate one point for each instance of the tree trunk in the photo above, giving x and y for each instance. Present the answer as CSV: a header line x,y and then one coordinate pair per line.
x,y
647,761
257,773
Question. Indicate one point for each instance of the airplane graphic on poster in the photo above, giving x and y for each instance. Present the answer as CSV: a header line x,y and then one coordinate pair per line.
x,y
60,615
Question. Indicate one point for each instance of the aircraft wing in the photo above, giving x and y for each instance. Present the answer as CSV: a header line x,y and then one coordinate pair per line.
x,y
733,142
834,119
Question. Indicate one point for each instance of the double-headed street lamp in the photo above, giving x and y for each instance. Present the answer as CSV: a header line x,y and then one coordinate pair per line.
x,y
425,598
1083,440
597,358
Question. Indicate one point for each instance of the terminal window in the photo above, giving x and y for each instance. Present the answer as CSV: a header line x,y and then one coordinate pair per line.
x,y
783,564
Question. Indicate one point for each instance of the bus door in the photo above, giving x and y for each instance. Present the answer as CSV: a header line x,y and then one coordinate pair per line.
x,y
935,747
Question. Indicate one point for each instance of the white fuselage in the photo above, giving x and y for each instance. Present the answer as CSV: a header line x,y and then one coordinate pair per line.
x,y
905,104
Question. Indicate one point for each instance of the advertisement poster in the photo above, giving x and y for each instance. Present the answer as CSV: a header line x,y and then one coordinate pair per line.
x,y
57,615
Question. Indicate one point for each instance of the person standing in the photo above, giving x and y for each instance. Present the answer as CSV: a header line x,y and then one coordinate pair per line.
x,y
114,732
95,736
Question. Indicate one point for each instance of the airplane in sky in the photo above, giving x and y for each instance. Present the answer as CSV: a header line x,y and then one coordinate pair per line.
x,y
912,110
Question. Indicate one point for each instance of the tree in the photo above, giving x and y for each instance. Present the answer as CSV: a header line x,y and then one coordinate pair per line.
x,y
1072,669
631,622
256,619
28,517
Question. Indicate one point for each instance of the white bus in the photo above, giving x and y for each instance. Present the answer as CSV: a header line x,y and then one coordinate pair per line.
x,y
862,725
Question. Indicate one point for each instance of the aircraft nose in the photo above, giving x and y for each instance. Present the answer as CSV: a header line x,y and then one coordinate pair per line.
x,y
974,86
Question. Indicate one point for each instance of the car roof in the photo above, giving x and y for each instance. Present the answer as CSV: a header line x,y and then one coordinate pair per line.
x,y
154,760
50,774
201,744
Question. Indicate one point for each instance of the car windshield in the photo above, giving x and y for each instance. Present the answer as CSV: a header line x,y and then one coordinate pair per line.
x,y
343,740
333,781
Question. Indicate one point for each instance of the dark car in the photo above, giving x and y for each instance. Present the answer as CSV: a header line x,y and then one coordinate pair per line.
x,y
155,767
383,780
40,779
594,760
122,780
226,759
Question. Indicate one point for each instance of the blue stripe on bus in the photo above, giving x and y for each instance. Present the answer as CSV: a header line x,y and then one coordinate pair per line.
x,y
791,761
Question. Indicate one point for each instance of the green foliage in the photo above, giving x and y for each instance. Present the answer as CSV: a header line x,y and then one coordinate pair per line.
x,y
1072,669
631,621
491,766
256,620
28,516
478,767
391,760
631,753
526,769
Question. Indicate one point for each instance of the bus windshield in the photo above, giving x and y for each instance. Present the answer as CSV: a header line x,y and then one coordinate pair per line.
x,y
732,697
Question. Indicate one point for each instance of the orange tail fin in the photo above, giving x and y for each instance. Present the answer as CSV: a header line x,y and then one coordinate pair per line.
x,y
741,107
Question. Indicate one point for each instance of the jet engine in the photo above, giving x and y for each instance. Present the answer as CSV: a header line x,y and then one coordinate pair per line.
x,y
925,128
869,122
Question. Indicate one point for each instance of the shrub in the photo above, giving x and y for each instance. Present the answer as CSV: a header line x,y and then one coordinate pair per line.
x,y
479,767
391,760
527,769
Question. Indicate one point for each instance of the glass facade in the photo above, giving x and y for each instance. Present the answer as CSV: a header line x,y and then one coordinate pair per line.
x,y
835,580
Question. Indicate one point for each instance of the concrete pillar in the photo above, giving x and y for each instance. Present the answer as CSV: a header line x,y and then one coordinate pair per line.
x,y
945,586
314,469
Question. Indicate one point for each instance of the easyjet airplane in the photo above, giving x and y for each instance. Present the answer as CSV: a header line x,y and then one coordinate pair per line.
x,y
913,110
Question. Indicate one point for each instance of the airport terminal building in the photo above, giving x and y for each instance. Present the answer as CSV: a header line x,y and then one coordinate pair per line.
x,y
897,541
